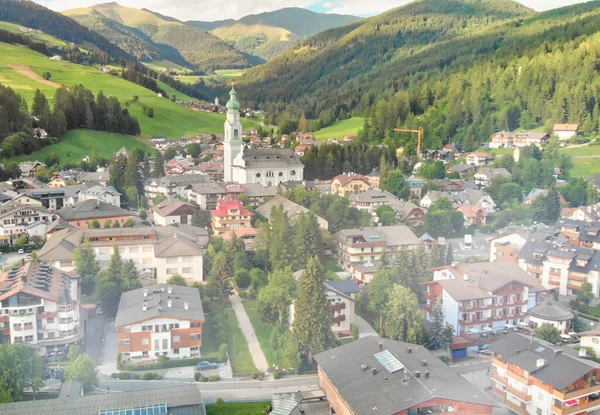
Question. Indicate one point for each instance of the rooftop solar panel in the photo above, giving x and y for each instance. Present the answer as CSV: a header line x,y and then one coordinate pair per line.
x,y
389,362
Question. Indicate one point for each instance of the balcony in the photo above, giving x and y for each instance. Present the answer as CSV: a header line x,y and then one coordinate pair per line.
x,y
496,376
339,319
575,409
498,391
556,283
483,307
534,270
338,307
554,273
521,395
577,393
517,408
518,378
431,296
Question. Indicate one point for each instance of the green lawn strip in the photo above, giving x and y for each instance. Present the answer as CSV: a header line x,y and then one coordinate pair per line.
x,y
332,265
346,341
238,408
239,354
263,333
80,143
585,167
340,128
581,151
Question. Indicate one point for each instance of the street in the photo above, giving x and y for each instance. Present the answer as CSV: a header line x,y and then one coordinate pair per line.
x,y
472,365
93,337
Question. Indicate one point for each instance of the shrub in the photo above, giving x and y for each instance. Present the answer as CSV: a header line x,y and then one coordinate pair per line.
x,y
113,375
162,360
223,351
354,331
135,376
277,374
147,376
46,75
220,401
149,111
197,376
214,378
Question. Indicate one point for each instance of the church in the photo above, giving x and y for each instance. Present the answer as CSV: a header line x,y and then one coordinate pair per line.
x,y
268,167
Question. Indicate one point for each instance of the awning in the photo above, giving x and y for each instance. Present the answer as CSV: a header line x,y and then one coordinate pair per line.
x,y
571,403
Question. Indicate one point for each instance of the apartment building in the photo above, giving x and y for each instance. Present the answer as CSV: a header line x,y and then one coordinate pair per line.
x,y
82,214
482,297
39,306
206,195
355,246
536,377
160,320
369,200
229,215
561,266
106,194
581,233
169,212
507,246
18,220
163,250
349,184
170,186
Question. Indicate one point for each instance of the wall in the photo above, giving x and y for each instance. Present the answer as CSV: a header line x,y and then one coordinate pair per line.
x,y
83,223
591,341
189,267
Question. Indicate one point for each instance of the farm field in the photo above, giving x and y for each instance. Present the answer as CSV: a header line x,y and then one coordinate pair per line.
x,y
170,119
340,128
81,143
159,65
171,91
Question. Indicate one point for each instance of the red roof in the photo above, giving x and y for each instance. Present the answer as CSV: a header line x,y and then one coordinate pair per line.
x,y
223,208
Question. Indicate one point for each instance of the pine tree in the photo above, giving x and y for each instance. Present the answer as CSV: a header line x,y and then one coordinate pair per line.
x,y
469,142
442,255
115,265
449,255
220,274
311,330
588,125
591,194
384,169
440,333
308,240
39,103
434,256
379,291
159,163
403,316
281,239
85,265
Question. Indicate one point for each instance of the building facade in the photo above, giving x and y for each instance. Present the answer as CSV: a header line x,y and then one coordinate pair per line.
x,y
229,215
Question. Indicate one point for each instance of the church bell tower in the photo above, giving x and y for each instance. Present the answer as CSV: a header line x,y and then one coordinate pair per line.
x,y
233,134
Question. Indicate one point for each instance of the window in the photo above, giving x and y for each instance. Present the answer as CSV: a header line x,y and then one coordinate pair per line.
x,y
145,353
145,342
171,270
176,339
165,344
280,174
270,174
258,175
157,344
538,411
147,249
187,270
195,336
293,172
175,351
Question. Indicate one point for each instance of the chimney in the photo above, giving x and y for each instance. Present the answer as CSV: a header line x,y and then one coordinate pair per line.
x,y
582,353
417,374
170,290
162,289
380,345
466,277
364,367
144,307
409,350
427,374
145,292
169,303
423,362
373,371
540,362
186,305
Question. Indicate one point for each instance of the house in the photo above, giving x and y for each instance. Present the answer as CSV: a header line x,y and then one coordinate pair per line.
x,y
474,215
415,186
162,250
534,194
206,195
388,377
340,296
180,399
57,182
537,377
160,320
482,297
484,176
581,213
50,198
439,155
591,338
461,169
549,312
374,179
81,214
580,233
293,210
454,186
363,273
28,168
39,307
40,133
170,186
244,233
15,220
565,131
230,214
257,194
479,159
369,200
123,153
106,194
502,139
408,213
349,184
169,212
507,247
359,245
518,139
301,149
561,266
465,197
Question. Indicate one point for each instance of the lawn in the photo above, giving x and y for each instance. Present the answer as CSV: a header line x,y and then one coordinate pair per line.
x,y
241,360
586,168
159,65
209,343
80,143
332,265
238,408
340,128
170,119
581,151
263,333
188,79
499,151
171,91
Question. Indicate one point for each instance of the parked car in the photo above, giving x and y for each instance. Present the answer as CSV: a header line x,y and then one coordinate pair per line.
x,y
204,365
21,251
99,311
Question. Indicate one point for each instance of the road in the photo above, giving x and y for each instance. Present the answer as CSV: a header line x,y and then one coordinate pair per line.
x,y
472,365
93,337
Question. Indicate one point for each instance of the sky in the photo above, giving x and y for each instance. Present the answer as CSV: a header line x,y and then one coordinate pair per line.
x,y
210,10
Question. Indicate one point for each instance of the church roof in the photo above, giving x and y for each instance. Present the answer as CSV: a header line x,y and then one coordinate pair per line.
x,y
233,103
271,158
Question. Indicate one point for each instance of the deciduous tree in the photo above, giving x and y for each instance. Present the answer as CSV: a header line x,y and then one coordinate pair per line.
x,y
403,317
83,369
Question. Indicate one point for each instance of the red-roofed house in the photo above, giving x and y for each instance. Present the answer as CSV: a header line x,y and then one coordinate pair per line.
x,y
473,214
245,233
230,214
565,131
301,149
479,159
349,184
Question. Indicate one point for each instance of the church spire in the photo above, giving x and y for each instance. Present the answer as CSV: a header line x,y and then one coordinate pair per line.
x,y
233,105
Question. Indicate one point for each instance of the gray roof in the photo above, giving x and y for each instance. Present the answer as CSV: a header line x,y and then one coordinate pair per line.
x,y
258,190
551,312
179,180
535,193
462,167
285,403
546,248
403,208
130,306
368,266
559,369
100,190
91,209
373,196
271,158
495,172
345,286
180,396
394,392
292,209
392,235
207,188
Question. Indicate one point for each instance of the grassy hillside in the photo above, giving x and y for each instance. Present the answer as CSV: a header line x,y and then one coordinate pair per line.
x,y
171,120
33,35
339,129
152,37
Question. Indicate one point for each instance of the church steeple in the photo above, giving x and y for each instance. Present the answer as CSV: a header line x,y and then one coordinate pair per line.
x,y
233,104
233,134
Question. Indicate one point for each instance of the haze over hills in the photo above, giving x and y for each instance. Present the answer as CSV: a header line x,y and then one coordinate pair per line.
x,y
149,37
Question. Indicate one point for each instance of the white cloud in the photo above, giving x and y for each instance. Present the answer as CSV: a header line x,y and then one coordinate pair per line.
x,y
219,9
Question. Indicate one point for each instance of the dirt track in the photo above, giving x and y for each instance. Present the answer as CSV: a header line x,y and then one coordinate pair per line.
x,y
28,72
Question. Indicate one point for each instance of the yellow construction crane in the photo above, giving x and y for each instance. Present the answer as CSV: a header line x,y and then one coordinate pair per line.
x,y
420,132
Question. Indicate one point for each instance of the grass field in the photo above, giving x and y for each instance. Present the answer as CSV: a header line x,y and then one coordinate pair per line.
x,y
332,265
340,128
499,151
188,79
586,168
238,408
263,333
80,143
220,76
159,65
38,37
170,119
581,151
171,91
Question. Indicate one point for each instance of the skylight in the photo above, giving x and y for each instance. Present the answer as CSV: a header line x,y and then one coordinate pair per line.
x,y
389,362
160,409
540,349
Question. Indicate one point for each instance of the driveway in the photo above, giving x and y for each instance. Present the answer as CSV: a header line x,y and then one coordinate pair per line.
x,y
108,362
258,357
93,337
364,328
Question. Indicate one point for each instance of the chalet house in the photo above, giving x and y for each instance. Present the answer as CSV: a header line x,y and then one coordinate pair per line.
x,y
479,159
170,186
374,179
28,168
396,378
369,200
57,182
473,214
466,197
408,213
484,176
230,214
160,320
454,186
206,195
258,194
534,194
293,210
506,139
170,211
363,273
340,295
349,184
461,169
244,233
16,220
565,131
584,213
301,149
81,214
415,186
438,155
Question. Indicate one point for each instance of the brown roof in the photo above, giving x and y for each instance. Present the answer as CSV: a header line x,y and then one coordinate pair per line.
x,y
38,280
239,233
566,127
471,211
344,179
170,207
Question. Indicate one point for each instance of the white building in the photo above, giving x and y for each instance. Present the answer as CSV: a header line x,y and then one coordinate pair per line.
x,y
565,131
39,306
106,194
16,220
244,165
170,186
550,313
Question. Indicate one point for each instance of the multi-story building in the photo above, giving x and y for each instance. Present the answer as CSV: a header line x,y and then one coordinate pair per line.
x,y
481,297
408,213
39,306
505,139
369,200
162,250
293,210
230,214
583,234
160,320
17,219
484,176
106,194
536,377
206,195
386,377
82,214
170,186
355,246
349,184
169,212
561,266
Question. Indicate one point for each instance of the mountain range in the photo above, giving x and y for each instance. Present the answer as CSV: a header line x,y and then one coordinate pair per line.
x,y
205,46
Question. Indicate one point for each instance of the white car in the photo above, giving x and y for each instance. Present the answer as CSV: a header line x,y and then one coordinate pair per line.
x,y
21,251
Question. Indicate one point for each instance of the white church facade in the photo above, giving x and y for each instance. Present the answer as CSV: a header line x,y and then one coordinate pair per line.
x,y
268,167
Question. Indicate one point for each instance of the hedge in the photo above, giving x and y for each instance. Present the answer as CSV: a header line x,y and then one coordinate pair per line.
x,y
168,364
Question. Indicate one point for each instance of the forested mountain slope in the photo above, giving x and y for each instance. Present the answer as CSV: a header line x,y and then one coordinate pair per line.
x,y
149,37
465,68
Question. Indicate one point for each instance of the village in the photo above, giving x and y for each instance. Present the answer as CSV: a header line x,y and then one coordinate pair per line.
x,y
419,274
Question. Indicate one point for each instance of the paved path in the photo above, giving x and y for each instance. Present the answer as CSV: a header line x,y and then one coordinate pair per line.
x,y
364,328
258,357
108,363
